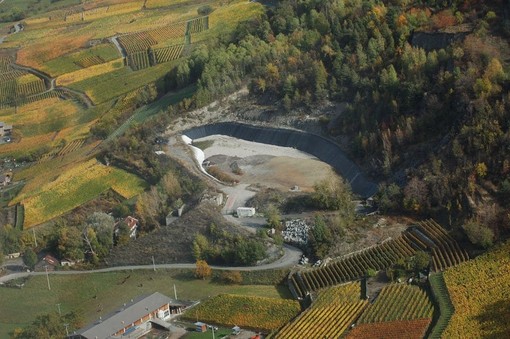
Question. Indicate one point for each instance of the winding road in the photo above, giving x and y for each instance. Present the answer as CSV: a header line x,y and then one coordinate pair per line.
x,y
290,258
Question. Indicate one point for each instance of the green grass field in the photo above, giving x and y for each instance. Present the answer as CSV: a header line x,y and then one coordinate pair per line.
x,y
70,62
95,295
110,85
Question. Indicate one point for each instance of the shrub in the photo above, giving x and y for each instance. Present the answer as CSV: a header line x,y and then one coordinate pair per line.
x,y
232,277
204,10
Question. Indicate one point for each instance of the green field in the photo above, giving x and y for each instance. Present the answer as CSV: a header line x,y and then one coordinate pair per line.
x,y
32,7
70,62
110,85
90,293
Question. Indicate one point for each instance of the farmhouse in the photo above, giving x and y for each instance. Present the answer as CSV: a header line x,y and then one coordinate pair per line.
x,y
134,319
132,224
47,263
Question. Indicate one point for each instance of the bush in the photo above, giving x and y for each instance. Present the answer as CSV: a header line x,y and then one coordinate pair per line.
x,y
232,277
479,234
220,175
204,10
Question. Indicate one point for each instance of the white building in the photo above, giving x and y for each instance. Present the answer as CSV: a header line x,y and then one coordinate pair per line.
x,y
245,212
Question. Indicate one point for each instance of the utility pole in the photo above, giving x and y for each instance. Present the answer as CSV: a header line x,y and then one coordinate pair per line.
x,y
212,328
67,331
175,292
58,306
153,264
47,277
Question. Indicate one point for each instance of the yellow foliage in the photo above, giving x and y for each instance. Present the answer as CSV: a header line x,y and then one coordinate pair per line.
x,y
89,72
73,188
480,293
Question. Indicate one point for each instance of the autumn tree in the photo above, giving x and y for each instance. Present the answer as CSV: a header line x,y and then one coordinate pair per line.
x,y
333,193
70,243
203,270
232,277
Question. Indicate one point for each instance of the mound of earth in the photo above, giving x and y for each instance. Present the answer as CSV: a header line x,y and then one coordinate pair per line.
x,y
172,244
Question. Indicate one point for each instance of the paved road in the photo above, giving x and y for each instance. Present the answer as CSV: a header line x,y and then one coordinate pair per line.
x,y
290,258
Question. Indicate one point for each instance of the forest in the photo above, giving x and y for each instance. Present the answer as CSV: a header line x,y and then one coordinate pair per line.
x,y
424,85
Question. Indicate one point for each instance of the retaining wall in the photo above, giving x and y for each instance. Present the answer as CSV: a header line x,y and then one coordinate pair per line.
x,y
324,149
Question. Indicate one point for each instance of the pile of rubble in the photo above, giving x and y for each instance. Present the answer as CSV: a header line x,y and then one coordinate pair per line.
x,y
296,232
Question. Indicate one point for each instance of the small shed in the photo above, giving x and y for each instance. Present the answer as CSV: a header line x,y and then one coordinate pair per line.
x,y
245,212
200,326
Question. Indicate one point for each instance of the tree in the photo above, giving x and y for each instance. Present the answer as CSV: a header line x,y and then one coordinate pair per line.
x,y
149,208
203,270
421,261
98,233
70,243
320,239
200,247
122,234
415,195
333,194
10,239
50,325
171,186
273,218
29,258
479,234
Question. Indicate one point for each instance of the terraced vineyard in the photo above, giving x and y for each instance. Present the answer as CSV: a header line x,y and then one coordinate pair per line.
x,y
408,329
265,314
430,236
351,267
137,42
139,60
166,54
197,25
426,236
480,292
398,302
329,316
140,46
19,86
90,61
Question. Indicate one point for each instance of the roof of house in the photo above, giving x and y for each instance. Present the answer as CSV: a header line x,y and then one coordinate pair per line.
x,y
51,260
125,316
131,222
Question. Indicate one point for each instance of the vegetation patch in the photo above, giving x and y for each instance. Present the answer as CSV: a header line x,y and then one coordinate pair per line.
x,y
329,315
479,292
410,329
76,186
97,294
398,302
260,313
442,298
89,72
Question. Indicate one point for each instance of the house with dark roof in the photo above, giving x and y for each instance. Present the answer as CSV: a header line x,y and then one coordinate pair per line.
x,y
133,319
